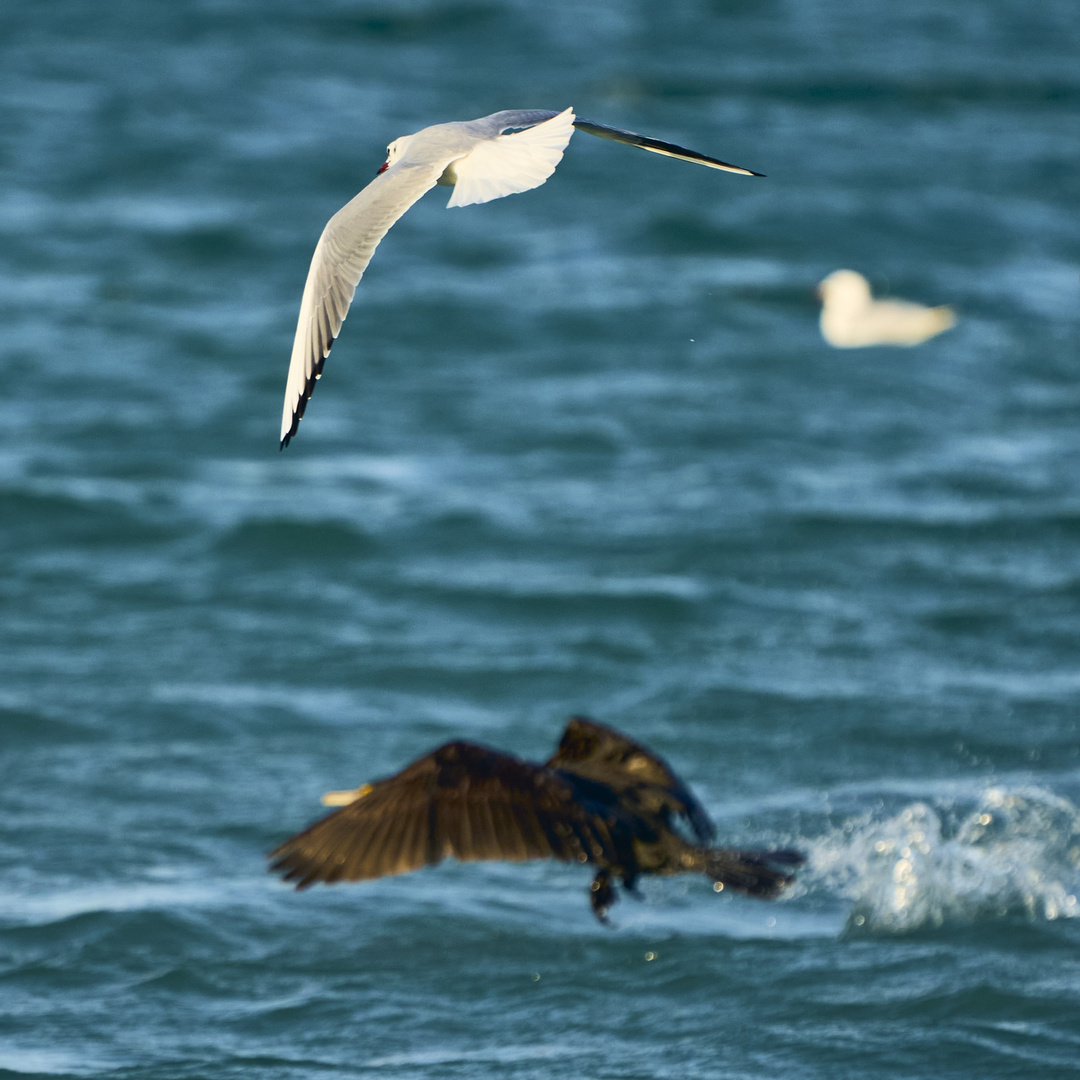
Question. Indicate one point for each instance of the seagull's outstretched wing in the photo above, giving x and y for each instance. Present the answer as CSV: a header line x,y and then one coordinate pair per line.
x,y
509,164
658,146
600,753
463,800
341,257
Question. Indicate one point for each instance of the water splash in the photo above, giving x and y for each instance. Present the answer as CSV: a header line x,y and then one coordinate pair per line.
x,y
1016,851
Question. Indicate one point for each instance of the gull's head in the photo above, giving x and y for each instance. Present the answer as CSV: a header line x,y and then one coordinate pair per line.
x,y
395,151
844,289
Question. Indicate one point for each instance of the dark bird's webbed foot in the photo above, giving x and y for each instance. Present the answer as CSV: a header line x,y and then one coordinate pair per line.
x,y
602,895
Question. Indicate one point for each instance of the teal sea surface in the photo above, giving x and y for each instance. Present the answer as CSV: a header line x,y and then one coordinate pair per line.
x,y
580,450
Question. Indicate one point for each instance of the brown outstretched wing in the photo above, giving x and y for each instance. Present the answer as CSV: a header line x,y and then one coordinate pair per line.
x,y
462,800
602,754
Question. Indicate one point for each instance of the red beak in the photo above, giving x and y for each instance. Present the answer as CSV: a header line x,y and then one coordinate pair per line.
x,y
383,167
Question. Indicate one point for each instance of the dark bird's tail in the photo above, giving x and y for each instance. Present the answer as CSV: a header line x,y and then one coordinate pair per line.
x,y
756,873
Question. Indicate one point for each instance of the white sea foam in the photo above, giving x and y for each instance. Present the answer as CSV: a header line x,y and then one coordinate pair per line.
x,y
1015,851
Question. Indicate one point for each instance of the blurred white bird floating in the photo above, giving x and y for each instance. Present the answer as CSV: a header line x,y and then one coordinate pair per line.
x,y
501,154
852,318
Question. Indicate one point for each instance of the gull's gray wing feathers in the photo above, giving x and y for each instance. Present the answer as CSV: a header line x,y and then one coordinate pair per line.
x,y
341,257
508,119
526,118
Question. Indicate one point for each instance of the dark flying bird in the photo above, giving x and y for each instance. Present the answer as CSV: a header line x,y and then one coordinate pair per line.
x,y
501,154
602,799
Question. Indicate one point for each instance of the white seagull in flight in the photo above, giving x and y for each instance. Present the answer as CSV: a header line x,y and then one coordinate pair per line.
x,y
480,162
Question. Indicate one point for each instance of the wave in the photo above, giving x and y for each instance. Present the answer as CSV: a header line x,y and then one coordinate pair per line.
x,y
496,1055
58,905
1016,851
51,1061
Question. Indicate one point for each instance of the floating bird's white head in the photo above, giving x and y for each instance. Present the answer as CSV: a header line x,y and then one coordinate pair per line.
x,y
845,289
395,151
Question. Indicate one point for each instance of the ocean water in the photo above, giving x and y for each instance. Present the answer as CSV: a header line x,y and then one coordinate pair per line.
x,y
578,450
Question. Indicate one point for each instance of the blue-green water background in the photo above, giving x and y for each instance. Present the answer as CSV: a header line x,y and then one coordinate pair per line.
x,y
581,449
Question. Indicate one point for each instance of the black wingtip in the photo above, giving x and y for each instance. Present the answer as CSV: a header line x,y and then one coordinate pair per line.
x,y
647,142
